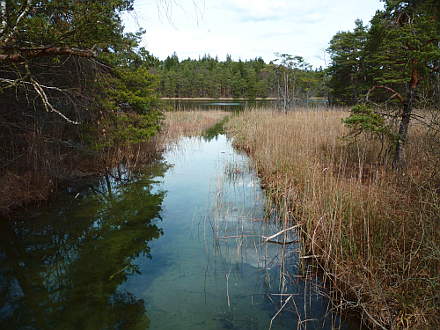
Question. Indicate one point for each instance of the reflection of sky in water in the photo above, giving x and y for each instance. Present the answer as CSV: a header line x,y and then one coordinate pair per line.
x,y
182,104
237,104
175,247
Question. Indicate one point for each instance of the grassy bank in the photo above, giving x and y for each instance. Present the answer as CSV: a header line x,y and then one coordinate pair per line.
x,y
189,123
373,232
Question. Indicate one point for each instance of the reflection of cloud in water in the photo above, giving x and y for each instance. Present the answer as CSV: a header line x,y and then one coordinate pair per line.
x,y
239,220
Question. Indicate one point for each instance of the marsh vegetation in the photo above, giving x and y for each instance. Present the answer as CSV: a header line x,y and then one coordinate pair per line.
x,y
372,232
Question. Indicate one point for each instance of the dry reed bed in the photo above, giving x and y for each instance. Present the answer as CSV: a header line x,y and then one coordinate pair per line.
x,y
189,123
373,232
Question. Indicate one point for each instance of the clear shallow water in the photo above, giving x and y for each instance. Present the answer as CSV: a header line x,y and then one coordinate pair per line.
x,y
176,246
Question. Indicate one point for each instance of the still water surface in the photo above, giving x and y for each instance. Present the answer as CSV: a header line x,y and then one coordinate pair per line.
x,y
238,104
214,104
175,246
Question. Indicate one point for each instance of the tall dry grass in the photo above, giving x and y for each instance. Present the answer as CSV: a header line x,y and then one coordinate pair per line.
x,y
373,232
189,123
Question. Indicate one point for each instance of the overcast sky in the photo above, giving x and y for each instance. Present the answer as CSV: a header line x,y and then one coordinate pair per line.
x,y
246,28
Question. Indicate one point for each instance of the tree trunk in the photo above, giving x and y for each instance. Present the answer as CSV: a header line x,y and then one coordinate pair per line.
x,y
286,92
399,157
280,94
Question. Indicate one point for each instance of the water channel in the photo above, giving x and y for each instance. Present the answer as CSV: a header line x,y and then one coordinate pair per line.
x,y
177,245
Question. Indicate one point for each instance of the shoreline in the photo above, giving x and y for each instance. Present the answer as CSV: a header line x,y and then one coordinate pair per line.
x,y
218,99
312,99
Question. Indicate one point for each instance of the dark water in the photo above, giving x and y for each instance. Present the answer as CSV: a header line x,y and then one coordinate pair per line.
x,y
227,105
231,105
176,246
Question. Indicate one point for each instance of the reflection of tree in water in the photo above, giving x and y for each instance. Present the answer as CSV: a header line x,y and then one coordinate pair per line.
x,y
63,269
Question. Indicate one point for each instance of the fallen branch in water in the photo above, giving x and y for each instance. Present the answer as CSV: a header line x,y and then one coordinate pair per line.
x,y
266,239
279,311
281,243
238,236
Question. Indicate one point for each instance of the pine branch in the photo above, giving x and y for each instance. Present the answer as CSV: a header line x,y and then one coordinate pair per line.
x,y
395,93
27,53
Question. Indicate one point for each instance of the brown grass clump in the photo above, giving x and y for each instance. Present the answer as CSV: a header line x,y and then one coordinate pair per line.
x,y
372,231
189,123
19,189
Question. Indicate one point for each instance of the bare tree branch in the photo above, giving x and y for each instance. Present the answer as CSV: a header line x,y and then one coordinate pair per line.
x,y
39,89
47,105
20,81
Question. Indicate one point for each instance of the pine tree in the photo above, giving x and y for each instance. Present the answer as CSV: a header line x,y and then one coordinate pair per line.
x,y
348,76
403,45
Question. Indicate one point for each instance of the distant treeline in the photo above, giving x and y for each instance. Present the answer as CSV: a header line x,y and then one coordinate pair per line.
x,y
211,77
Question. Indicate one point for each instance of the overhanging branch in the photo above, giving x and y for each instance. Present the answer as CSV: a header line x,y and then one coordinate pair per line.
x,y
13,82
389,89
47,105
27,53
40,90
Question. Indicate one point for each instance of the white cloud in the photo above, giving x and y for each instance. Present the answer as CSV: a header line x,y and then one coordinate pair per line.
x,y
247,28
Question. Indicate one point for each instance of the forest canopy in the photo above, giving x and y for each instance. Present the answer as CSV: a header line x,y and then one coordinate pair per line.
x,y
211,77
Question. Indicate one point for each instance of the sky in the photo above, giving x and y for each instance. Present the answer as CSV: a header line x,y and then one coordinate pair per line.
x,y
246,29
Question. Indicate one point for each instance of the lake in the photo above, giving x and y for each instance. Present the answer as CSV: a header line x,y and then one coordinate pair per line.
x,y
234,105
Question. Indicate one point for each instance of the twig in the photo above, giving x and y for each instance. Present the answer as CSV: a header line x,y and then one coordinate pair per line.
x,y
266,239
309,257
282,243
395,93
47,105
237,236
19,81
372,319
227,289
118,272
279,311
